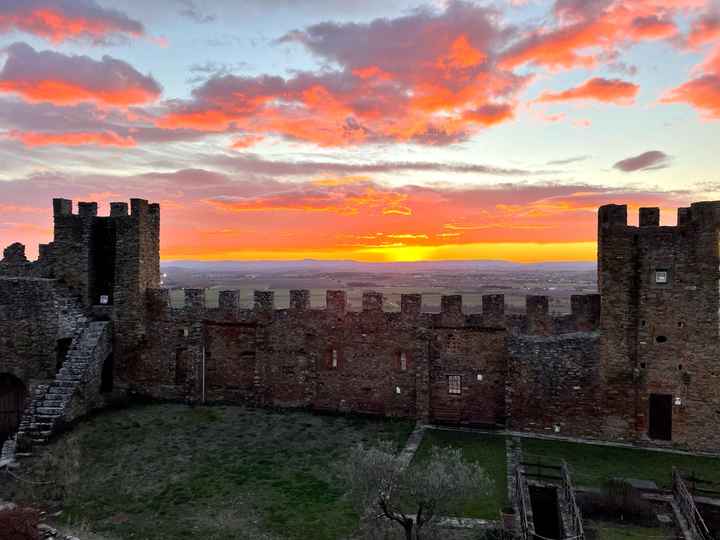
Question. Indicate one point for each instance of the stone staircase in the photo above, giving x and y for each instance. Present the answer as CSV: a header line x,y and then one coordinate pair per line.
x,y
51,404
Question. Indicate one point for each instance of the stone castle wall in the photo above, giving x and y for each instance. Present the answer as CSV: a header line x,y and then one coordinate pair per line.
x,y
553,384
371,361
653,331
34,315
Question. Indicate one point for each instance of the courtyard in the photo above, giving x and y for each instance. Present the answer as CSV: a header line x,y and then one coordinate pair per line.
x,y
165,471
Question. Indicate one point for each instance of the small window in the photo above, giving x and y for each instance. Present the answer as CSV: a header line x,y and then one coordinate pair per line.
x,y
104,299
403,361
397,390
479,377
454,384
334,360
661,339
661,276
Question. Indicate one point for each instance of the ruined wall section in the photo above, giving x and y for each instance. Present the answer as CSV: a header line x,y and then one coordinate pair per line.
x,y
554,384
14,263
660,323
34,314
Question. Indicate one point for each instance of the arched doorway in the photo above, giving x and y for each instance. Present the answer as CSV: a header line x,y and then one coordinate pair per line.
x,y
12,403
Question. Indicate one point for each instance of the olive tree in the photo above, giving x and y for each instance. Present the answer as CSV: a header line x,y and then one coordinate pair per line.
x,y
413,497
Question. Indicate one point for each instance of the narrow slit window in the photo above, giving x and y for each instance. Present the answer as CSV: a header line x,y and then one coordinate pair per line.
x,y
454,384
334,360
403,361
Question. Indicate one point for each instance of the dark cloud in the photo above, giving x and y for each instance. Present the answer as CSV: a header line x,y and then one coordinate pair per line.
x,y
647,161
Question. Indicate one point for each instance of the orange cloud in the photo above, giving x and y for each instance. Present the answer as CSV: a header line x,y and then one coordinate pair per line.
x,y
338,198
246,141
703,91
72,138
704,30
607,90
587,32
427,78
462,55
48,76
61,20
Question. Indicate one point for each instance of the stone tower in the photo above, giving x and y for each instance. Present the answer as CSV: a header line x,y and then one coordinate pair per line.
x,y
110,262
660,325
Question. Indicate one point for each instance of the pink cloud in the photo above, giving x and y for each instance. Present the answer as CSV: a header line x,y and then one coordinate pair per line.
x,y
704,29
430,77
588,30
72,138
598,89
61,20
52,77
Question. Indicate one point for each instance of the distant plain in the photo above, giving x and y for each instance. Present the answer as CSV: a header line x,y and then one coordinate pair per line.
x,y
515,282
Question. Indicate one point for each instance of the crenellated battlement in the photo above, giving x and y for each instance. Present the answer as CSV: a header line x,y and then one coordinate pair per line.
x,y
537,319
63,208
699,214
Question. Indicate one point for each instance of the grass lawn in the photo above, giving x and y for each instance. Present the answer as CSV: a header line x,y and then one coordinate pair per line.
x,y
173,471
592,465
488,451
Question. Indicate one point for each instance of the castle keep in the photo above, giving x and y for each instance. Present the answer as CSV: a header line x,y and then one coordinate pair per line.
x,y
87,323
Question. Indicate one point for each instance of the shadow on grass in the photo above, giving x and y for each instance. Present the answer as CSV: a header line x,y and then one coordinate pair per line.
x,y
169,471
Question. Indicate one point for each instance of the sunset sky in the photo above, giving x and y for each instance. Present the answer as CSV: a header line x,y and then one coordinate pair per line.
x,y
376,130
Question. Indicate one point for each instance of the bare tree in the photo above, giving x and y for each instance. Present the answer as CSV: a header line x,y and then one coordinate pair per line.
x,y
413,497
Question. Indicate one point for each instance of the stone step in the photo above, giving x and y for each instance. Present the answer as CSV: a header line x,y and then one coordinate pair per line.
x,y
59,391
59,403
68,377
50,410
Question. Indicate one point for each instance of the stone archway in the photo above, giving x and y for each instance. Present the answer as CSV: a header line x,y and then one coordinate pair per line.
x,y
12,404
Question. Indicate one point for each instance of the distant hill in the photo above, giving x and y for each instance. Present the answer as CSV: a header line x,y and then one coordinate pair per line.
x,y
312,265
